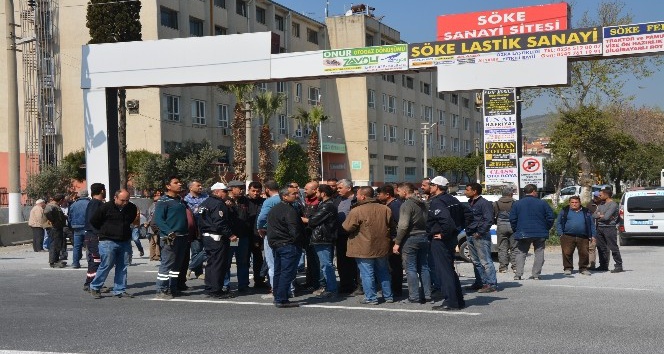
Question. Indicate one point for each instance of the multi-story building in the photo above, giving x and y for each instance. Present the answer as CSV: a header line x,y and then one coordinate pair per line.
x,y
374,131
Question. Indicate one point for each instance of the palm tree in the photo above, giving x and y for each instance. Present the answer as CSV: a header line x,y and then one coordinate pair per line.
x,y
313,119
242,94
266,104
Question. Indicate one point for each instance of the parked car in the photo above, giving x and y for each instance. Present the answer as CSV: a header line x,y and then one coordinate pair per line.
x,y
641,215
567,192
462,243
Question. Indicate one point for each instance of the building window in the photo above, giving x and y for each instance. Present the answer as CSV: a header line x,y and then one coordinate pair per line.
x,y
369,39
392,104
426,113
222,115
283,124
172,108
298,92
220,31
443,143
372,130
195,27
384,132
407,81
169,18
389,78
198,112
466,124
260,15
391,170
312,36
241,8
262,87
466,145
393,133
385,102
455,120
410,171
429,138
409,137
454,99
465,101
408,108
298,130
314,96
281,87
441,117
171,146
279,22
220,3
455,144
478,127
371,98
425,88
296,30
441,96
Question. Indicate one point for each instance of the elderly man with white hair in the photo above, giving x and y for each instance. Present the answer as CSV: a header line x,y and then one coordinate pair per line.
x,y
38,223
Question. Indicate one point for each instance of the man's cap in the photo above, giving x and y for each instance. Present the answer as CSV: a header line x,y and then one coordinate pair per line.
x,y
218,186
596,194
83,194
39,201
236,183
440,181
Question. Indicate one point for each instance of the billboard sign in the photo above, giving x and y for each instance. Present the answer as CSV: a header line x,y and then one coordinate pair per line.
x,y
500,139
504,22
366,60
532,171
637,38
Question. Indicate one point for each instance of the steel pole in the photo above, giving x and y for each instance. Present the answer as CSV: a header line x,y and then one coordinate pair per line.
x,y
249,159
14,148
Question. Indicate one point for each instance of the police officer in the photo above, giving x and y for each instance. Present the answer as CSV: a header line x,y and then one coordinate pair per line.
x,y
217,234
443,232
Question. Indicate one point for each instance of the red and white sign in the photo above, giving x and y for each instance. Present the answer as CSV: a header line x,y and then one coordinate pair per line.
x,y
531,171
530,19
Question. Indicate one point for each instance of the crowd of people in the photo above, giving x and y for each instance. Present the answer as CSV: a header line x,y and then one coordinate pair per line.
x,y
374,235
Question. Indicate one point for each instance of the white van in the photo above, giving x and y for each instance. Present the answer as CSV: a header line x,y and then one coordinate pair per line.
x,y
642,215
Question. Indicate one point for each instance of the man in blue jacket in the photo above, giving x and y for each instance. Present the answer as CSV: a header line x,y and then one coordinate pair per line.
x,y
478,237
76,215
531,219
576,228
272,190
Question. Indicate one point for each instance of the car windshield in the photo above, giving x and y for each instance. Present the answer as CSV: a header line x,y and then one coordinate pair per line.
x,y
646,204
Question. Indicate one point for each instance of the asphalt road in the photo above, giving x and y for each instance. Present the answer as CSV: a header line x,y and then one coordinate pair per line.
x,y
45,310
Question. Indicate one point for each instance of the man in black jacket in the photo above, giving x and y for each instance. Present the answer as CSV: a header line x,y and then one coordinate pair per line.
x,y
285,236
113,220
217,235
58,220
254,204
323,225
443,232
98,191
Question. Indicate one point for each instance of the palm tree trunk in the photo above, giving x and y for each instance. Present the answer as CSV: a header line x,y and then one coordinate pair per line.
x,y
314,157
265,166
239,140
122,137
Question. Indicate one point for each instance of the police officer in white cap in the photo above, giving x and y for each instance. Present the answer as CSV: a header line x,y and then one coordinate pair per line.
x,y
217,234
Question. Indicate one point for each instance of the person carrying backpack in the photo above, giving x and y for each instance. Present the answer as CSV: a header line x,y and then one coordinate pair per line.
x,y
504,232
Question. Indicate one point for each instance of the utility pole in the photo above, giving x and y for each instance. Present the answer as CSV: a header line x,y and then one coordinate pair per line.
x,y
12,118
425,137
249,161
320,136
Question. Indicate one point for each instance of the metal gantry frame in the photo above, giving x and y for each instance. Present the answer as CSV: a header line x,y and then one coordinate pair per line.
x,y
40,82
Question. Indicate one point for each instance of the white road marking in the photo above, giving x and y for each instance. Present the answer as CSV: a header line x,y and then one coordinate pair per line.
x,y
66,268
600,287
333,307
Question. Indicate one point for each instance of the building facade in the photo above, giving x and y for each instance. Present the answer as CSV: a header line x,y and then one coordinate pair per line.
x,y
373,136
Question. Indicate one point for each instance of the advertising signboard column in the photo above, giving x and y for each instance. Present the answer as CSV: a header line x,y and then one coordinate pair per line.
x,y
500,136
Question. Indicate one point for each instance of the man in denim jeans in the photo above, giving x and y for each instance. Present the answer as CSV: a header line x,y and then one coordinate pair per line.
x,y
76,216
369,243
479,240
414,243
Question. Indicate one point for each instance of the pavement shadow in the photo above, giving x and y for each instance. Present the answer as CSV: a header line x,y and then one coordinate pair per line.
x,y
483,300
8,258
553,276
509,284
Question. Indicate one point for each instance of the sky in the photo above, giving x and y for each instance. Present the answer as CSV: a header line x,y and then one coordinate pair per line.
x,y
416,20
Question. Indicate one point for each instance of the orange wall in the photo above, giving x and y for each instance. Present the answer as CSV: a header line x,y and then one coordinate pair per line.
x,y
4,170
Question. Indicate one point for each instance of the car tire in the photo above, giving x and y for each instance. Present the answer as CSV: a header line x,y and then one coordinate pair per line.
x,y
464,252
625,241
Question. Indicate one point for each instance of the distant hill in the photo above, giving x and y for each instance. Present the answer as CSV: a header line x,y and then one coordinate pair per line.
x,y
538,126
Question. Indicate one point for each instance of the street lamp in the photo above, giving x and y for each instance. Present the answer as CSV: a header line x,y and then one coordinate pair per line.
x,y
249,158
320,135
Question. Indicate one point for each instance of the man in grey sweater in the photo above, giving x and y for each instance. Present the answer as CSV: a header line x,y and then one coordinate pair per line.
x,y
414,244
607,235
